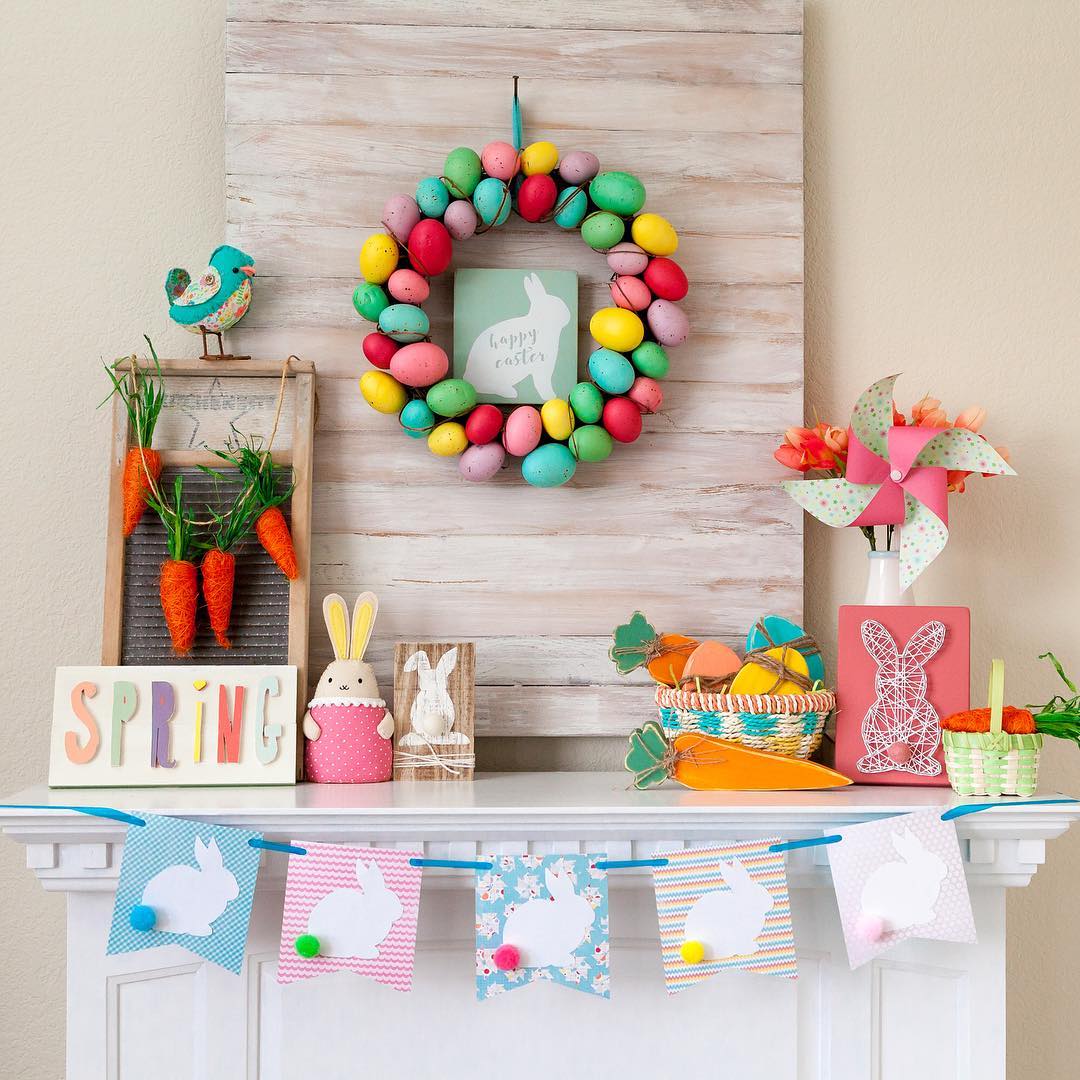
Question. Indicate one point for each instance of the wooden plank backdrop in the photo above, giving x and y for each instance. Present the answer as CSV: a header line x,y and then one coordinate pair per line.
x,y
332,107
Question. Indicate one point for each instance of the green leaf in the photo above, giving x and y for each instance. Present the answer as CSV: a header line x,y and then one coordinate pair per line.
x,y
631,643
646,756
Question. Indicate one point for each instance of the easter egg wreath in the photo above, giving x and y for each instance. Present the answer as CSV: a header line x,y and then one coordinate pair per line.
x,y
477,193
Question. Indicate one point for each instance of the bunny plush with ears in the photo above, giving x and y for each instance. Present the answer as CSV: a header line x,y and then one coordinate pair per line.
x,y
349,730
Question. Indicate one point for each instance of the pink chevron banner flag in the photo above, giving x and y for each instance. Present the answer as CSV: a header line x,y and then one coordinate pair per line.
x,y
350,909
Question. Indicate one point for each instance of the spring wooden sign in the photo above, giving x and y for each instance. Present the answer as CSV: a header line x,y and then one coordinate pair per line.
x,y
173,725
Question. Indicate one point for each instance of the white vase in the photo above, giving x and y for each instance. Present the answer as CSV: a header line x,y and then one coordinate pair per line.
x,y
883,581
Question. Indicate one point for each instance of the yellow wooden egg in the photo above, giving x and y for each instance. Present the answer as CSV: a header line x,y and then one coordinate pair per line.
x,y
539,157
378,258
755,679
616,328
654,234
383,392
557,418
448,439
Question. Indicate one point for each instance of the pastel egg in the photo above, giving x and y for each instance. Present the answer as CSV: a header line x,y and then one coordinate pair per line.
x,y
539,157
550,465
422,364
776,630
622,418
522,431
404,323
627,258
492,201
617,329
451,397
430,247
536,196
755,679
557,418
668,322
484,424
409,287
379,349
369,300
666,279
620,192
447,439
461,173
590,443
481,463
587,402
651,360
631,293
646,393
400,215
460,219
601,230
579,166
655,234
570,208
611,371
711,660
383,392
378,257
417,419
500,160
432,197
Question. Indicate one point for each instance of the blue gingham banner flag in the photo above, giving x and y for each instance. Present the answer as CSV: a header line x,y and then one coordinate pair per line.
x,y
185,883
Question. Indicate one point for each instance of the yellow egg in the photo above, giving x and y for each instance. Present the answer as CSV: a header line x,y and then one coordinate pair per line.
x,y
557,418
539,157
654,234
378,258
448,439
383,392
755,679
616,328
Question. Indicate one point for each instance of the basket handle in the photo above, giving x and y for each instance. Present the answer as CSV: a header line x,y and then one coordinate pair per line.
x,y
997,694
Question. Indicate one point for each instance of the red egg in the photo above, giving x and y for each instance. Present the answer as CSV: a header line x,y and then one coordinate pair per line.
x,y
500,160
646,394
622,418
666,279
536,196
421,364
408,287
430,247
484,423
631,293
380,349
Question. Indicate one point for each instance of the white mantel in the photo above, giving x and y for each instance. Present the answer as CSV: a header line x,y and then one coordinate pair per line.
x,y
832,1023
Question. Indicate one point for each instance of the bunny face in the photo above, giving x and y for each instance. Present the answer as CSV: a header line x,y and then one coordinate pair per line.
x,y
910,665
348,677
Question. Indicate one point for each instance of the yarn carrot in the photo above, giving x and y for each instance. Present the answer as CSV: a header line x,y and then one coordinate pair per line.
x,y
179,583
219,563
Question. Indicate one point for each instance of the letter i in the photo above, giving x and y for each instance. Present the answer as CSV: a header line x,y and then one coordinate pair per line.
x,y
199,684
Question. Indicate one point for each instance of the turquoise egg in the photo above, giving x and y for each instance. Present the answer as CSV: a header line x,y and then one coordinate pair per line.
x,y
571,206
369,300
602,230
452,397
611,371
417,419
620,192
492,201
549,465
587,402
404,322
432,197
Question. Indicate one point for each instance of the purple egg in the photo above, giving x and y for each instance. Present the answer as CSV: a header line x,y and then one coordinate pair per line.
x,y
579,166
460,219
480,463
627,258
668,322
400,215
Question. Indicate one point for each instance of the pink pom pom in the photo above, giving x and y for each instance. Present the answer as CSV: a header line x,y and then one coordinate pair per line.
x,y
900,752
870,927
507,957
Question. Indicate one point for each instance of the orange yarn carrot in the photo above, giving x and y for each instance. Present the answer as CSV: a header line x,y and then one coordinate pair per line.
x,y
218,578
179,599
273,532
1014,721
136,485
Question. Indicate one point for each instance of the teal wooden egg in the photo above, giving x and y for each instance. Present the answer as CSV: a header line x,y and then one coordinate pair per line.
x,y
611,371
404,322
620,192
461,173
587,402
590,443
492,201
651,360
369,300
432,197
776,630
549,465
570,208
451,397
602,230
417,419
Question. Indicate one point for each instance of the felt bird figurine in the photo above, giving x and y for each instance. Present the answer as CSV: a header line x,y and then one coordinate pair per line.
x,y
216,300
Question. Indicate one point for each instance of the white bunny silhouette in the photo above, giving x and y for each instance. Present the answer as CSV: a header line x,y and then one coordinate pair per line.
x,y
900,729
432,714
186,900
729,921
904,893
505,354
547,931
355,922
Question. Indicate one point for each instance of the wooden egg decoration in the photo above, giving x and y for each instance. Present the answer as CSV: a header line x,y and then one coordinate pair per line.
x,y
536,197
492,201
480,463
447,439
627,258
780,631
421,364
711,660
378,258
617,329
522,432
484,424
408,287
379,349
462,171
631,293
666,279
404,322
550,465
417,419
430,248
539,157
460,219
400,216
668,323
646,394
622,418
755,679
452,397
500,160
383,392
587,402
611,371
579,167
654,234
651,360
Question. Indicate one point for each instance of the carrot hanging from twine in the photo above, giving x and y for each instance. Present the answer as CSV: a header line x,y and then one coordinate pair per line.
x,y
219,562
179,583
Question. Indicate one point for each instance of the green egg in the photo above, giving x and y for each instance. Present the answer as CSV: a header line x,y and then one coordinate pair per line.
x,y
461,173
590,443
369,300
602,230
587,402
650,359
451,397
620,192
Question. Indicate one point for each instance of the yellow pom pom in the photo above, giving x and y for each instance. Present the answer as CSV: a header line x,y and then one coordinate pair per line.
x,y
539,157
378,258
692,952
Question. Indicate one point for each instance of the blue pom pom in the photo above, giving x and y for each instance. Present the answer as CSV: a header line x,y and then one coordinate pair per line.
x,y
143,917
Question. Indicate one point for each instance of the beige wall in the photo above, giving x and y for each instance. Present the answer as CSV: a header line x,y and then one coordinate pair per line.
x,y
943,144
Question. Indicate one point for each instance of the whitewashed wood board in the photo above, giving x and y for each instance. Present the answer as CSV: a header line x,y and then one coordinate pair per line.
x,y
333,106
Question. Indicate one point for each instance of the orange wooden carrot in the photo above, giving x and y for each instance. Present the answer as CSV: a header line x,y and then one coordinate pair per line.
x,y
218,579
273,533
137,464
179,599
709,764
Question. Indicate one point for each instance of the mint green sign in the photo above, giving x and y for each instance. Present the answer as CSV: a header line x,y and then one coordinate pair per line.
x,y
515,333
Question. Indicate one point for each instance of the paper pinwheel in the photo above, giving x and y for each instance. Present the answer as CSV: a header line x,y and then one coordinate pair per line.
x,y
896,475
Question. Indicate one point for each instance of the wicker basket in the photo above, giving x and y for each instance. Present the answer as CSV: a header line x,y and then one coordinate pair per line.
x,y
993,762
788,724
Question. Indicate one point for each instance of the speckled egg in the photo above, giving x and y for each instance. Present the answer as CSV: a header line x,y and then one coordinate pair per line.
x,y
622,418
620,192
460,219
379,349
422,364
378,257
587,402
461,173
654,234
383,392
627,258
666,279
590,443
549,466
536,197
631,293
430,247
432,197
481,463
404,323
409,287
500,160
617,329
611,371
492,201
570,208
646,394
417,419
369,300
447,439
579,167
522,431
601,230
668,322
557,418
451,397
400,215
651,360
484,424
539,157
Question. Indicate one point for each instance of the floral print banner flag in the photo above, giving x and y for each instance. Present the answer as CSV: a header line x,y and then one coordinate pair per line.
x,y
542,918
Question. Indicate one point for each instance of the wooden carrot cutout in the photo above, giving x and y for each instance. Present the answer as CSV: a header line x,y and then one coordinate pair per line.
x,y
637,644
179,584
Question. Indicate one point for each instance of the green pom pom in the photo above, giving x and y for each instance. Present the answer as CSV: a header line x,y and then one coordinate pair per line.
x,y
307,945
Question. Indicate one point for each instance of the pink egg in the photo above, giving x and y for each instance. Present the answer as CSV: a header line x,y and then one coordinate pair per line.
x,y
408,287
484,423
380,349
630,292
579,166
480,463
668,322
421,364
500,160
460,219
622,418
646,394
627,258
400,215
523,430
666,279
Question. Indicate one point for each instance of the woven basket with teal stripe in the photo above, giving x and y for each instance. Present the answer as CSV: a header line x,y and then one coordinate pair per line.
x,y
788,724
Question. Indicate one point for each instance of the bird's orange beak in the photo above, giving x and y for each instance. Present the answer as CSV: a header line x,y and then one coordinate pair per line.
x,y
249,270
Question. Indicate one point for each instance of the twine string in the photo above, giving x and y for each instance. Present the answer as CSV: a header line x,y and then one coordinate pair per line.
x,y
453,762
778,666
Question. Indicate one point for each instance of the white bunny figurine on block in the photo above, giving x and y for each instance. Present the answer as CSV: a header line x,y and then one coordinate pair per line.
x,y
186,900
432,713
547,930
355,922
728,922
903,894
